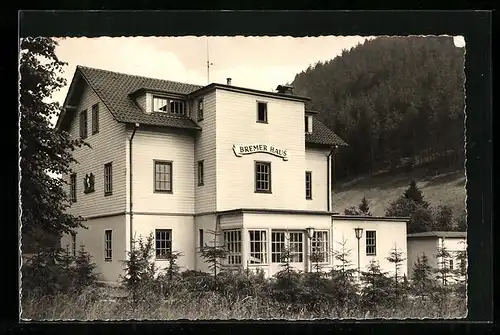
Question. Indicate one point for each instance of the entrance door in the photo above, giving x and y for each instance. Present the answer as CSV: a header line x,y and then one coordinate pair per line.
x,y
287,243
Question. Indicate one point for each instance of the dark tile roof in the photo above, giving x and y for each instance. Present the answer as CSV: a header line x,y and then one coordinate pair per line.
x,y
114,88
115,91
445,234
322,135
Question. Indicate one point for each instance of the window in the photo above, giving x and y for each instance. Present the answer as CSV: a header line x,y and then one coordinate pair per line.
x,y
83,124
308,185
262,112
72,187
167,105
202,243
371,243
308,124
108,248
160,105
451,264
177,107
232,241
200,109
200,173
95,119
277,246
108,179
73,244
263,177
258,246
296,246
281,240
319,245
163,243
163,176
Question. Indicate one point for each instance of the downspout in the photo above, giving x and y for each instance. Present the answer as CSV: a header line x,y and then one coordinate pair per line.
x,y
136,126
329,177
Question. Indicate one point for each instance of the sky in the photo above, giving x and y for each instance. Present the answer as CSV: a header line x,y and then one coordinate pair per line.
x,y
254,62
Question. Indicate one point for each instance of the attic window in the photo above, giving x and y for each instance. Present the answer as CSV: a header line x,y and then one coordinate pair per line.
x,y
308,124
164,105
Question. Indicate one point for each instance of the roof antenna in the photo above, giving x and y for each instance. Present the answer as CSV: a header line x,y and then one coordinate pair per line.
x,y
208,65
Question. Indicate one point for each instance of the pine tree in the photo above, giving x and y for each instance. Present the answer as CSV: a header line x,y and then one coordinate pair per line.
x,y
214,254
415,194
443,271
396,257
377,287
85,270
364,207
43,197
342,275
443,218
422,281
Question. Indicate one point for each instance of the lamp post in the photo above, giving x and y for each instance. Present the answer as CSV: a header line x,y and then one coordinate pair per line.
x,y
310,235
359,233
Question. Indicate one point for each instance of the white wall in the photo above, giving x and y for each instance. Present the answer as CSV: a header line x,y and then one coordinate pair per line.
x,y
108,145
388,235
183,238
316,162
168,145
205,150
429,246
236,124
93,241
207,223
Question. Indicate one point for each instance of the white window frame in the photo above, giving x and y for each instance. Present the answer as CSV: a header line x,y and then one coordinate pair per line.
x,y
257,239
169,175
173,106
108,245
371,242
277,246
320,240
161,252
232,243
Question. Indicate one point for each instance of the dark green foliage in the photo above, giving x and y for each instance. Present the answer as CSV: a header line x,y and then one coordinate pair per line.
x,y
397,101
140,270
460,273
84,271
376,288
422,282
43,150
54,270
461,222
443,220
412,204
343,278
396,257
362,209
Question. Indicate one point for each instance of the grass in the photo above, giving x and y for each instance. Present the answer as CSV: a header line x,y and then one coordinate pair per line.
x,y
92,305
380,190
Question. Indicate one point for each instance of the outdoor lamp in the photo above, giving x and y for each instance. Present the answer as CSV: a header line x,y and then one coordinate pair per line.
x,y
310,232
359,232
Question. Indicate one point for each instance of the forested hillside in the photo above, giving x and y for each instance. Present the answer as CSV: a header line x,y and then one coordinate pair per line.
x,y
397,101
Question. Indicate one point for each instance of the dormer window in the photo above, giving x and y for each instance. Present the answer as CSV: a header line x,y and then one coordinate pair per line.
x,y
308,124
165,105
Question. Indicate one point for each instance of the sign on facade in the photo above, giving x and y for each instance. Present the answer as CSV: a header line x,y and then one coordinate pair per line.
x,y
241,149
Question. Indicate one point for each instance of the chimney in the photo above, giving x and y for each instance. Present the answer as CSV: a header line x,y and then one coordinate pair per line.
x,y
228,81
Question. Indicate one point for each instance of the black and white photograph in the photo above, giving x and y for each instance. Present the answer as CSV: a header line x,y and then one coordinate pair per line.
x,y
243,177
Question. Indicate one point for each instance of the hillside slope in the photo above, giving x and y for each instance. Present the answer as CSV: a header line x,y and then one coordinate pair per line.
x,y
380,190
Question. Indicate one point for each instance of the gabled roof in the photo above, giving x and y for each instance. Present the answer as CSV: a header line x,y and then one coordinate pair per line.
x,y
439,234
113,89
117,90
322,135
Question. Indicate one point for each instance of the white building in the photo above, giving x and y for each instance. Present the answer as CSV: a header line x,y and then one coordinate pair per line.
x,y
178,160
429,243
